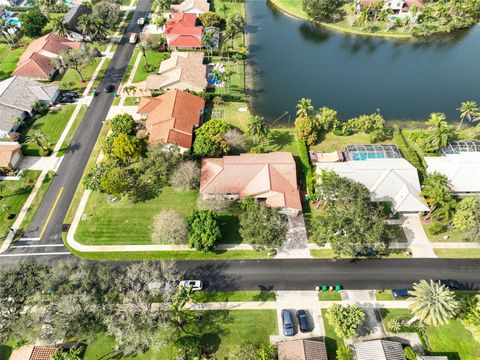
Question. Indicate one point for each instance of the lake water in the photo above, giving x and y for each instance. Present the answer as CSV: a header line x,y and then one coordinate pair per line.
x,y
404,79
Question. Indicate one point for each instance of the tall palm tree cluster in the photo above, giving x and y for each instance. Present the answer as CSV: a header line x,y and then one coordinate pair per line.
x,y
9,33
92,26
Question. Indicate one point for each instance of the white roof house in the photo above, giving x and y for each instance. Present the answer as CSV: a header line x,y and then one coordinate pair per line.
x,y
462,171
389,179
378,350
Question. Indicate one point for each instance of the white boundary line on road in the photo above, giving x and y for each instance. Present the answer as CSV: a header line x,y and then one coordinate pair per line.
x,y
29,239
36,254
35,246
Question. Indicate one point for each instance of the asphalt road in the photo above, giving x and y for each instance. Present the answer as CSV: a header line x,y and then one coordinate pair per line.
x,y
64,184
305,274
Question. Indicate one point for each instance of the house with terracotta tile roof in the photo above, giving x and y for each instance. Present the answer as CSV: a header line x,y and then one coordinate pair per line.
x,y
18,95
32,352
191,7
172,117
181,32
37,60
270,177
306,349
10,154
182,71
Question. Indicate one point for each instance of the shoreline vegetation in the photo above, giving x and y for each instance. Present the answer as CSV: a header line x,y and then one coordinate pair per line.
x,y
372,29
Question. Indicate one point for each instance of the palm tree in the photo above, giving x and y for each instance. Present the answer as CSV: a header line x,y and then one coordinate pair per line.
x,y
438,196
258,128
470,111
304,107
39,138
87,25
433,303
59,27
144,46
440,133
208,41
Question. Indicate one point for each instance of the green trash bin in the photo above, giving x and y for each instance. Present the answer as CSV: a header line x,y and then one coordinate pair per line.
x,y
324,288
338,288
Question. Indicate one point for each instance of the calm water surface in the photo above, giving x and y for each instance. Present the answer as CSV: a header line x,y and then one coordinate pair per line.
x,y
290,59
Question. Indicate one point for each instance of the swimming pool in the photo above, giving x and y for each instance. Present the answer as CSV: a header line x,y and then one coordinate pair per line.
x,y
212,80
365,156
13,21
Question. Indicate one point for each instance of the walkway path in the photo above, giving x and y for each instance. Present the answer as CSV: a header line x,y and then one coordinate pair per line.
x,y
296,244
123,95
417,239
40,163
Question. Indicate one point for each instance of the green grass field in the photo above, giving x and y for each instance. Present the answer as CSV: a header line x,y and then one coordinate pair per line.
x,y
13,194
221,331
124,222
457,253
9,60
452,235
233,296
329,254
73,130
331,339
385,295
329,296
51,125
71,80
154,58
231,114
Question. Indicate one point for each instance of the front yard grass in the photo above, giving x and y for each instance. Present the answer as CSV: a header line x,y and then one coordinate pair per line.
x,y
448,235
154,59
231,114
72,131
329,296
328,254
457,253
332,341
13,194
9,60
383,295
51,125
71,80
233,296
222,332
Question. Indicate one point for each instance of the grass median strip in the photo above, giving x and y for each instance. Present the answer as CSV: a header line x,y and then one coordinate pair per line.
x,y
233,296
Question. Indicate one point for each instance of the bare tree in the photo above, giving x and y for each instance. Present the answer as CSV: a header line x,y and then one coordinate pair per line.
x,y
217,204
169,227
235,139
186,176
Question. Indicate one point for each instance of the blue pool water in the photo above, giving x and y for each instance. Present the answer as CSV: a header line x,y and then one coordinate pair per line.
x,y
14,21
365,156
213,81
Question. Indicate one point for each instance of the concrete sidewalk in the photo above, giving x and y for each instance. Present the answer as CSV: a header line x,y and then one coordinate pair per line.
x,y
417,239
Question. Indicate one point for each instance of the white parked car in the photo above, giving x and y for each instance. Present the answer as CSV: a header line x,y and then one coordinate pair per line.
x,y
141,21
133,38
196,285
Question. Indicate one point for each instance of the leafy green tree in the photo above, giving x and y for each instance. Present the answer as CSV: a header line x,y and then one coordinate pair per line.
x,y
261,225
235,24
106,12
465,215
327,118
74,59
33,22
157,166
72,354
59,27
251,351
306,129
92,180
39,138
365,124
126,148
305,108
439,135
123,124
439,197
320,10
350,222
344,352
209,140
204,230
468,110
115,182
409,353
433,303
210,18
346,319
258,128
469,310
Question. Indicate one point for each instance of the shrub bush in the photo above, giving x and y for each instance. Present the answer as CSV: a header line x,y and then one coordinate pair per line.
x,y
306,167
407,151
436,228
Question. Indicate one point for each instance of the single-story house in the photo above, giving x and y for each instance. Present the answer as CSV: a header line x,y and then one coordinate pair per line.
x,y
10,154
398,8
181,32
391,179
378,350
270,177
71,20
191,7
172,117
182,71
32,352
36,61
18,94
306,349
461,169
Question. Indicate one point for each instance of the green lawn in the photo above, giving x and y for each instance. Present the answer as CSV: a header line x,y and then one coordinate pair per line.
x,y
231,114
457,253
71,79
452,340
453,235
73,130
385,295
9,60
154,58
13,195
51,125
331,142
233,296
129,101
331,339
328,254
221,331
282,139
389,314
329,296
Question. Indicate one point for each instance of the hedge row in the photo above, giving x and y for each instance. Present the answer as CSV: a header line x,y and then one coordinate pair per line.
x,y
407,151
306,166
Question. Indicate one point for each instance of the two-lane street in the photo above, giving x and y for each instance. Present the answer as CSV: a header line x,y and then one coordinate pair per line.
x,y
49,218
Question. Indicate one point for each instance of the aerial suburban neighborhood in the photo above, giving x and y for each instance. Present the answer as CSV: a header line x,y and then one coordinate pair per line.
x,y
240,180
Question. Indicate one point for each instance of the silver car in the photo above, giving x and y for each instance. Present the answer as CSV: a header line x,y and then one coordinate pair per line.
x,y
196,285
